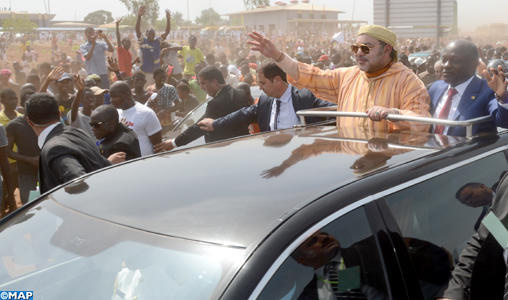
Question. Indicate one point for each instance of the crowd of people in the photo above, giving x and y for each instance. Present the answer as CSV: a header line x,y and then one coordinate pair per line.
x,y
109,103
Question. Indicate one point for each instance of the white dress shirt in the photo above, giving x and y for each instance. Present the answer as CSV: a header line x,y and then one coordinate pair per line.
x,y
44,134
287,115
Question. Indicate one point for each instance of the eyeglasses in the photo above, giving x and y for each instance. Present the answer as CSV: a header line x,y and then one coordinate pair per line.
x,y
96,124
365,49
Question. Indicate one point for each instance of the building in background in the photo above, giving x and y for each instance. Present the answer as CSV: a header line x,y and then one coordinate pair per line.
x,y
41,20
293,17
417,18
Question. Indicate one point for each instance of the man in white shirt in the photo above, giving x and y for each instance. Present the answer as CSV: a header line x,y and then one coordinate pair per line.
x,y
137,117
462,95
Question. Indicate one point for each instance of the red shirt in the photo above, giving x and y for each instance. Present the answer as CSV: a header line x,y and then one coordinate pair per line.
x,y
124,61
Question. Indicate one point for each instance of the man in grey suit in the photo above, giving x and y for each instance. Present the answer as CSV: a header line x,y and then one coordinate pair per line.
x,y
66,153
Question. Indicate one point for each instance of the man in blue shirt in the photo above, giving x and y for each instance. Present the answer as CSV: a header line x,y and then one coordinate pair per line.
x,y
150,46
95,54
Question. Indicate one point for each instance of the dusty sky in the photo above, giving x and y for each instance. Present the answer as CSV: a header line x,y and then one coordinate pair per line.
x,y
472,13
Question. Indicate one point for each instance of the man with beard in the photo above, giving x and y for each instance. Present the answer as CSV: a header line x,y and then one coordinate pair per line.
x,y
377,85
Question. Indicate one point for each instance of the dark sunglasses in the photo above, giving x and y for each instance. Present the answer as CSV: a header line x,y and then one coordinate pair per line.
x,y
96,124
365,49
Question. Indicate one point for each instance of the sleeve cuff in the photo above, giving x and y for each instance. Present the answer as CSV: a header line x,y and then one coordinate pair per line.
x,y
215,124
503,105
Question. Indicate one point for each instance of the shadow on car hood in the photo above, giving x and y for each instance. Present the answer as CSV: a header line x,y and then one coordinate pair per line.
x,y
236,191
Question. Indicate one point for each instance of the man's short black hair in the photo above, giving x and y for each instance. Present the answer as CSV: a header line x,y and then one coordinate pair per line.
x,y
212,73
158,71
139,74
392,53
270,70
42,108
6,93
122,87
33,77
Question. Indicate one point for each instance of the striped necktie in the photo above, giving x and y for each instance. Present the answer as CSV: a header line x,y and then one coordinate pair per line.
x,y
445,111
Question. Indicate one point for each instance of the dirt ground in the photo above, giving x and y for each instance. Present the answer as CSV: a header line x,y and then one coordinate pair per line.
x,y
43,49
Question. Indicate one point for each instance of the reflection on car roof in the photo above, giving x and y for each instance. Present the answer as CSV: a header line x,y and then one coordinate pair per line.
x,y
220,192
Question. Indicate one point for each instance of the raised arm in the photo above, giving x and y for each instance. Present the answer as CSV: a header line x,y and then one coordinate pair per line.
x,y
54,75
267,48
118,37
80,85
168,25
497,81
141,12
105,38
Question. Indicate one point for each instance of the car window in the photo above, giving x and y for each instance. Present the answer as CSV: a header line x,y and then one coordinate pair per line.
x,y
339,260
438,216
60,254
189,120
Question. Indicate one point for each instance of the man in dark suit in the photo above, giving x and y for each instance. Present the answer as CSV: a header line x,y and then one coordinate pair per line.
x,y
481,271
66,153
112,135
276,109
462,95
225,100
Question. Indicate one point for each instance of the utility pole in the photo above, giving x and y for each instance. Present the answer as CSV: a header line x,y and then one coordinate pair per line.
x,y
387,13
438,29
188,18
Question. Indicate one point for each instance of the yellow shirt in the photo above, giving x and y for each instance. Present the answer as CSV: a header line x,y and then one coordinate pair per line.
x,y
4,120
191,57
353,91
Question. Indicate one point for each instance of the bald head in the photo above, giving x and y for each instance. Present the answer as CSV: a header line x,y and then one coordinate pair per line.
x,y
121,96
121,87
104,121
460,60
106,112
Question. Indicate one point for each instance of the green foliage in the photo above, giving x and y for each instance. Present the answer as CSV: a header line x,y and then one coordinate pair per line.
x,y
251,4
99,17
18,24
152,9
177,19
129,20
209,17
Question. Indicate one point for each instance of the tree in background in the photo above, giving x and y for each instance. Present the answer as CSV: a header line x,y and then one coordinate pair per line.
x,y
177,20
99,17
129,20
251,4
152,10
209,17
19,24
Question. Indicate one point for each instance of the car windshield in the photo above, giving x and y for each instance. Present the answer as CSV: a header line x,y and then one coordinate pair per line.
x,y
189,120
60,254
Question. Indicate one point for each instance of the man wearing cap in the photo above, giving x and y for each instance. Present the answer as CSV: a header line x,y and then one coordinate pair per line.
x,y
377,85
65,94
88,99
